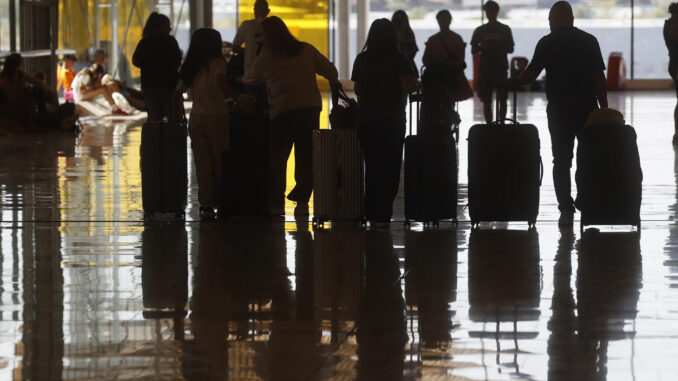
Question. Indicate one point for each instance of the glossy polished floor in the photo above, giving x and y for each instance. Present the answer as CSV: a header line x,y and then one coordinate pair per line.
x,y
90,292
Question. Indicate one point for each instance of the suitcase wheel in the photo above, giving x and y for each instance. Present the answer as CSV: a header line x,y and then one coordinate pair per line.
x,y
532,224
407,224
474,224
436,224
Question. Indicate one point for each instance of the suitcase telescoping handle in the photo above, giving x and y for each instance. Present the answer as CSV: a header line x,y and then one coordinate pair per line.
x,y
514,106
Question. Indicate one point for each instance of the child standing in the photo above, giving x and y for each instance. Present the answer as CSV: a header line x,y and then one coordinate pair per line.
x,y
203,74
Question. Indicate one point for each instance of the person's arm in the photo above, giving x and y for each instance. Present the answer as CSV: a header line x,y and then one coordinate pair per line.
x,y
600,87
510,44
533,70
239,38
324,67
137,56
427,58
475,43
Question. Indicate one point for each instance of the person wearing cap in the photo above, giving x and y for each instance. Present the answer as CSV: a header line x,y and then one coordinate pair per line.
x,y
492,42
575,86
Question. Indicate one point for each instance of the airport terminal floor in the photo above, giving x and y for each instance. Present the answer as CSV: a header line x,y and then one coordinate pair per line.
x,y
88,291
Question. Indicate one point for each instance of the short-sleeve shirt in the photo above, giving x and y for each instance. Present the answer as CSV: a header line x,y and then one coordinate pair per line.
x,y
208,98
570,57
158,56
250,33
378,80
496,39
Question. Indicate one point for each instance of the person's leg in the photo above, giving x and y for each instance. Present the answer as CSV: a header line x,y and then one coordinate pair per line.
x,y
562,146
218,140
485,95
370,143
89,95
281,146
308,120
502,94
154,105
675,115
202,157
392,163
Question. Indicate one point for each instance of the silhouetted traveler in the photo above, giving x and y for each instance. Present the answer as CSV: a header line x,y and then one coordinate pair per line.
x,y
383,77
250,34
671,40
444,82
492,41
575,86
204,75
406,41
289,67
158,56
16,102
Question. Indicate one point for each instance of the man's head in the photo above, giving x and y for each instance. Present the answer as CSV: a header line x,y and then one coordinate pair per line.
x,y
491,10
99,57
561,15
444,18
261,9
69,60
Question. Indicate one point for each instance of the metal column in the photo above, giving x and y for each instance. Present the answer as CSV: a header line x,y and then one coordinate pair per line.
x,y
363,8
343,38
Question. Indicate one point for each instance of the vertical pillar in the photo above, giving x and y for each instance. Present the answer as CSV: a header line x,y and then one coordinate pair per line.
x,y
200,14
97,25
54,42
343,39
363,8
115,50
633,53
12,25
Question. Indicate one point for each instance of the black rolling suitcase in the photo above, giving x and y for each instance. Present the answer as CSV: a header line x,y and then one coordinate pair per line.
x,y
430,176
504,171
246,177
609,177
164,175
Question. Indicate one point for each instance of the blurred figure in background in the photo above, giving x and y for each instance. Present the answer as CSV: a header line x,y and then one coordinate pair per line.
x,y
407,44
250,34
158,56
65,76
671,40
492,41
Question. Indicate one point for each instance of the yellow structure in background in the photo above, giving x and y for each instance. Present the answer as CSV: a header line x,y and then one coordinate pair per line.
x,y
77,26
308,20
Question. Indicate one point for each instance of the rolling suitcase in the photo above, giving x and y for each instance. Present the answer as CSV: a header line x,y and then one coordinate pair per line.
x,y
338,180
164,178
430,176
245,167
609,177
504,171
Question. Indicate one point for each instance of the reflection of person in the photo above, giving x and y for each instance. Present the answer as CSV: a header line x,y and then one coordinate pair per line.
x,y
381,333
406,41
289,67
492,41
671,40
204,74
383,77
158,56
575,86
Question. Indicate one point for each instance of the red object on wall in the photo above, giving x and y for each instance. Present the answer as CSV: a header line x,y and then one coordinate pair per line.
x,y
616,71
476,60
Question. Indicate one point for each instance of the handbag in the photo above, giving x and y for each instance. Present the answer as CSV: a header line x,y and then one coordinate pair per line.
x,y
343,115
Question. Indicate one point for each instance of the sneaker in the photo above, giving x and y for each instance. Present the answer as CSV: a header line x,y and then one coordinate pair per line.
x,y
566,220
207,213
301,210
118,111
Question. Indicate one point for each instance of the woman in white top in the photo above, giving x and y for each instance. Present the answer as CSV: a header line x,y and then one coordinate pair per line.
x,y
289,67
204,75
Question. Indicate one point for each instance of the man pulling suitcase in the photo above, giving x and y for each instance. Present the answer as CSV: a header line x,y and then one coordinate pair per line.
x,y
575,86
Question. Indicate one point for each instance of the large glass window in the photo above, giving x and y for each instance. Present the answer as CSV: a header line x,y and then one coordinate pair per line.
x,y
651,55
224,18
4,25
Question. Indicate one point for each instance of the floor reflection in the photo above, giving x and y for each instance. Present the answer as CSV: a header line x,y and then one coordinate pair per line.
x,y
88,291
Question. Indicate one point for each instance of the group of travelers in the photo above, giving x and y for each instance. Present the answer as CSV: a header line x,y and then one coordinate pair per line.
x,y
384,73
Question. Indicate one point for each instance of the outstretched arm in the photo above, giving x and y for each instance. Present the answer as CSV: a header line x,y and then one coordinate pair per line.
x,y
600,87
